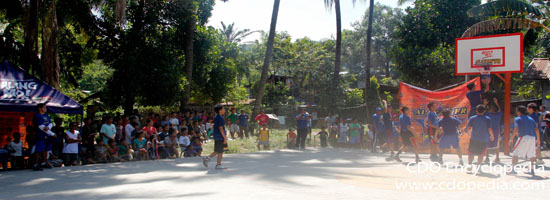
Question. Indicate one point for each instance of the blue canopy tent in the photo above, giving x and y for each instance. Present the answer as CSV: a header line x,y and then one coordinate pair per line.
x,y
21,92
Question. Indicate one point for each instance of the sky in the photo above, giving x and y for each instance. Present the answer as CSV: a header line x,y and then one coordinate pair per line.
x,y
300,18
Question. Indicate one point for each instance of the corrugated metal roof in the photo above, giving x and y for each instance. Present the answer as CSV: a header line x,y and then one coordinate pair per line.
x,y
538,69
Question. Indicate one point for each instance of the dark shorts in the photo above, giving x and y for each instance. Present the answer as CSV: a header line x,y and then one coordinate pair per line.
x,y
218,146
70,158
40,146
408,138
477,147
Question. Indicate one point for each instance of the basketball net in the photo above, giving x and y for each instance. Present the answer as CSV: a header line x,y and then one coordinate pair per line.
x,y
485,71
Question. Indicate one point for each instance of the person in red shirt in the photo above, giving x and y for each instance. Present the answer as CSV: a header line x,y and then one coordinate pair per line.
x,y
149,129
262,118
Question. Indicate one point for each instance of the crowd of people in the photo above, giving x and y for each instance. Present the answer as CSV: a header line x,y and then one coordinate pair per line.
x,y
182,134
118,139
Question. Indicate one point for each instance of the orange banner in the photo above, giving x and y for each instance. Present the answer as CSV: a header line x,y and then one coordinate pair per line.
x,y
454,99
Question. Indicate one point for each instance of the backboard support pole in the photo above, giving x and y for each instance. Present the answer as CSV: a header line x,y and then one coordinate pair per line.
x,y
507,112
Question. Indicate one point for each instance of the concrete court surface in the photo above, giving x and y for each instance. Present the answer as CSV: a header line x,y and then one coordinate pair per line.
x,y
280,174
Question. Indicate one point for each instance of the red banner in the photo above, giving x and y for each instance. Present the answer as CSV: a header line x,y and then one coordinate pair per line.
x,y
454,99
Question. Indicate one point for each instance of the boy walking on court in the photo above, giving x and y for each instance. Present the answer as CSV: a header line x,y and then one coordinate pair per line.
x,y
220,139
532,109
495,116
449,139
263,137
431,124
529,139
481,133
406,135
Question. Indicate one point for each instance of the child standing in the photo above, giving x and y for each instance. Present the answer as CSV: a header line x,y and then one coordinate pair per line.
x,y
220,139
17,155
449,139
70,149
291,139
529,139
343,132
406,135
263,137
481,133
323,135
355,133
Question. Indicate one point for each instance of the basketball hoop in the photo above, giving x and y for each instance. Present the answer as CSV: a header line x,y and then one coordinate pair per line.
x,y
485,71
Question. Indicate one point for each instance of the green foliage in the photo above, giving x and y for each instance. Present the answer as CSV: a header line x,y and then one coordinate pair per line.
x,y
373,94
276,94
354,97
424,51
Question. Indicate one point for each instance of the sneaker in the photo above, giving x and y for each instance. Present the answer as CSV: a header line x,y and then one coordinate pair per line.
x,y
37,168
205,161
388,159
532,172
486,161
496,160
512,173
418,160
44,165
539,162
461,163
440,161
396,158
220,167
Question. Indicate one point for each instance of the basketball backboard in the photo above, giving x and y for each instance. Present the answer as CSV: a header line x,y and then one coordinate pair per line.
x,y
500,53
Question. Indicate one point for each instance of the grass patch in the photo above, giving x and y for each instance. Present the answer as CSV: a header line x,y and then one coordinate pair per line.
x,y
277,140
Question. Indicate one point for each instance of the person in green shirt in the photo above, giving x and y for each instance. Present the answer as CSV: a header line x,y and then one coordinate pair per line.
x,y
355,133
233,125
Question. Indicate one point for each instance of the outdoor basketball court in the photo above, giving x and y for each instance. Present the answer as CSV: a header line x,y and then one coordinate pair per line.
x,y
286,174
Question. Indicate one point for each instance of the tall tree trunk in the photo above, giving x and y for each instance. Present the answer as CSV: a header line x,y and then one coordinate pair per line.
x,y
29,59
267,60
188,51
368,61
50,59
338,55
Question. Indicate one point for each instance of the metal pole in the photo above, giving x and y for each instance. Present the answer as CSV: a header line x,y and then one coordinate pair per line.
x,y
507,112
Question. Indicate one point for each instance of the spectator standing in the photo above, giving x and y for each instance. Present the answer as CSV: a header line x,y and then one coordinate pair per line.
x,y
243,124
70,149
149,128
57,142
232,121
128,129
42,125
302,122
108,130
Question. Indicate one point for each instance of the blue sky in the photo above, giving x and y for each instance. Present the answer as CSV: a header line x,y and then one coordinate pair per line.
x,y
299,18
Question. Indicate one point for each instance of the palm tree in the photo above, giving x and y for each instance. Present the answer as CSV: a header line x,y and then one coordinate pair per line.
x,y
401,2
338,51
267,60
368,57
233,34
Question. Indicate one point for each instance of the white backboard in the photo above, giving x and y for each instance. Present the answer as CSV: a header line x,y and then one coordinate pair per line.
x,y
503,52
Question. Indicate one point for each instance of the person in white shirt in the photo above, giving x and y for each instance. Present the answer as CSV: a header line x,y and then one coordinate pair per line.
x,y
70,150
183,140
174,121
17,160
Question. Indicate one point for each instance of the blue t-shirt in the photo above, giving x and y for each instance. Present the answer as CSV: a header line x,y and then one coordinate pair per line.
x,y
495,121
404,122
480,127
41,120
535,116
218,122
432,117
243,120
475,98
526,126
377,119
302,123
449,125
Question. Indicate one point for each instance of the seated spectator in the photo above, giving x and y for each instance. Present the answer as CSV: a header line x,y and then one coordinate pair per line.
x,y
100,152
113,151
70,149
291,138
135,131
153,147
140,144
197,146
125,152
170,144
183,140
16,147
86,155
